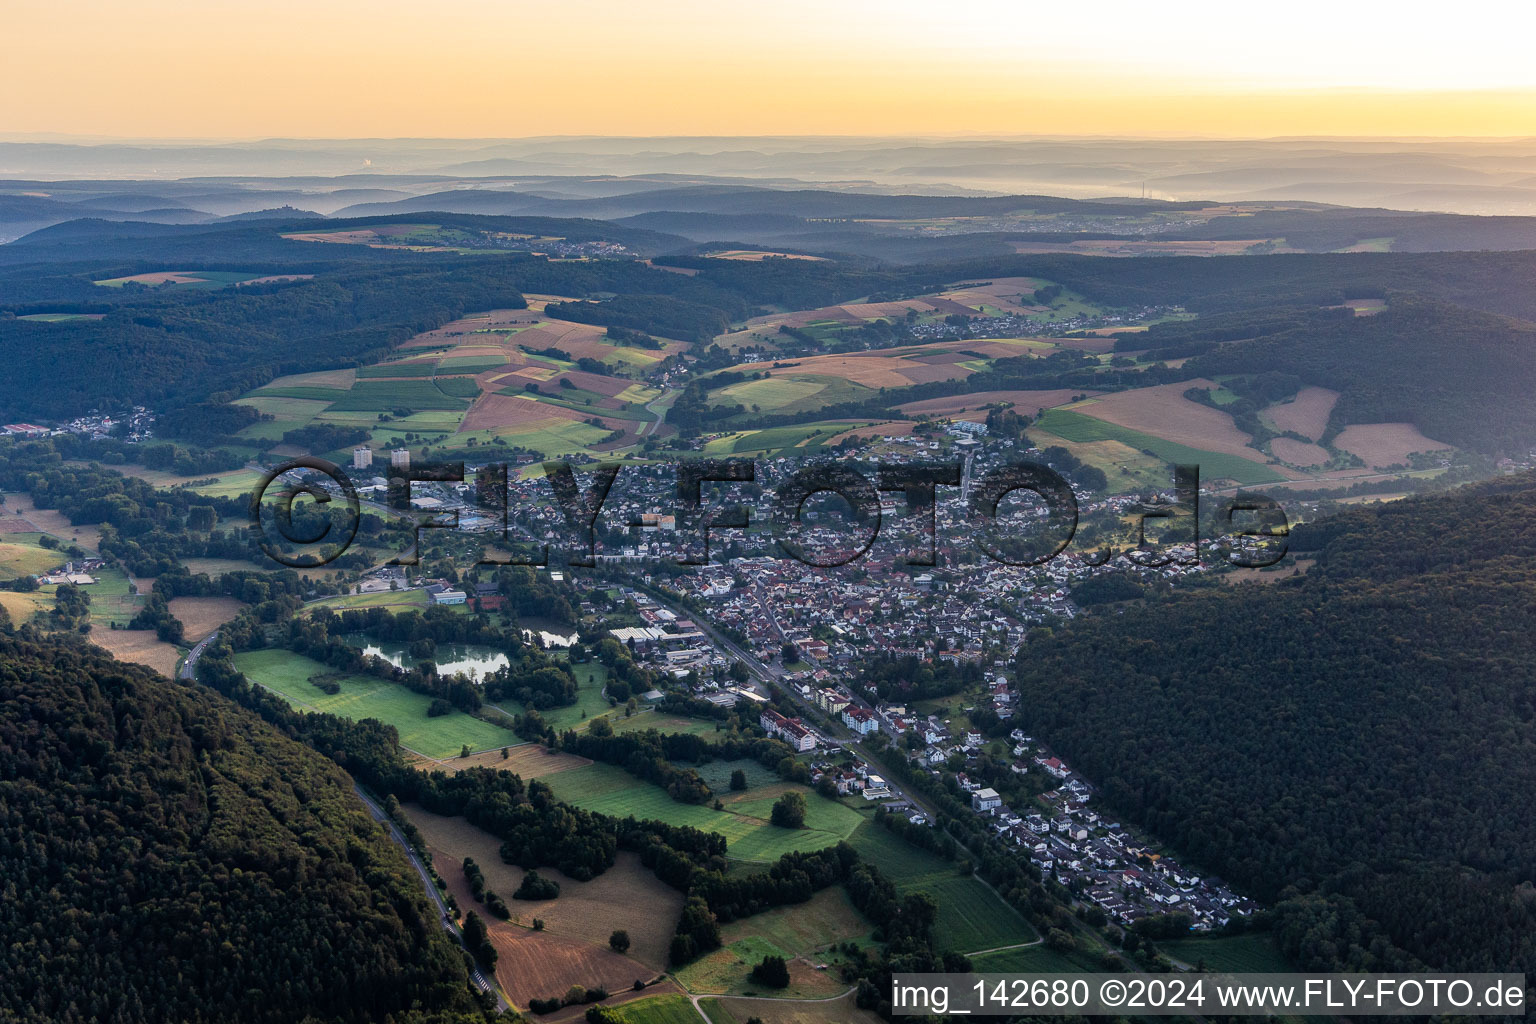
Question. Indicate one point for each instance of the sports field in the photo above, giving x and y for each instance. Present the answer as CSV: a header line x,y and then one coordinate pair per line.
x,y
287,674
744,821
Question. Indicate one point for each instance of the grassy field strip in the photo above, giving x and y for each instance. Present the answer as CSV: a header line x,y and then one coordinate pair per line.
x,y
287,674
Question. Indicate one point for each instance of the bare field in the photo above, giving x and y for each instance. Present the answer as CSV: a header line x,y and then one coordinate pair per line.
x,y
1163,411
528,760
139,646
202,615
755,255
625,896
1306,414
494,412
1298,453
1385,444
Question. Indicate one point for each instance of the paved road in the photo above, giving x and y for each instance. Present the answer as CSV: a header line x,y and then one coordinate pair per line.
x,y
378,814
189,666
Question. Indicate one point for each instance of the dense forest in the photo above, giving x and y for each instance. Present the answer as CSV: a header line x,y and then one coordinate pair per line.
x,y
1355,743
167,856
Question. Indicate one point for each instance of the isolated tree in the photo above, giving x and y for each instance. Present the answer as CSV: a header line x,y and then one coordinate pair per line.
x,y
619,941
773,972
738,780
789,810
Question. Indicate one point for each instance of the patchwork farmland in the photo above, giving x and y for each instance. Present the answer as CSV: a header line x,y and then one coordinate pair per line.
x,y
510,379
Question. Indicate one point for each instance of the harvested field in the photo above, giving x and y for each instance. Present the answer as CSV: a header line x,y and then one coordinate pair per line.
x,y
889,368
202,615
139,646
1298,453
494,412
755,255
21,607
155,278
626,896
1001,295
1385,444
49,520
528,760
1027,402
1306,414
1163,411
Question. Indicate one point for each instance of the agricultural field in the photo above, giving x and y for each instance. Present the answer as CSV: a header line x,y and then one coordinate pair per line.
x,y
507,378
971,916
1306,414
757,255
799,439
974,405
804,928
287,674
200,280
1380,445
734,1010
644,720
728,970
1298,453
668,1009
1071,425
1036,959
626,896
138,646
233,484
527,760
1254,953
1164,412
18,514
21,555
202,615
744,821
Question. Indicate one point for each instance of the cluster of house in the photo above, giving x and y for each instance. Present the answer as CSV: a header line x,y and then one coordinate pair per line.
x,y
851,778
135,425
1104,863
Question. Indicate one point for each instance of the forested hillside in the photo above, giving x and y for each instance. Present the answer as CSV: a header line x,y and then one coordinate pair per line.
x,y
1358,743
166,856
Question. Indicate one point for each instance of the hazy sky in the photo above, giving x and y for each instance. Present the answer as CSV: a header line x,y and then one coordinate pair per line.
x,y
484,68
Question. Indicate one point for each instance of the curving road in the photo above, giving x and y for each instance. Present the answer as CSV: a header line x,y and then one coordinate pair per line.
x,y
189,666
476,975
